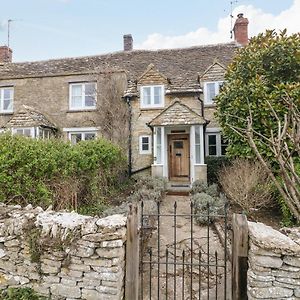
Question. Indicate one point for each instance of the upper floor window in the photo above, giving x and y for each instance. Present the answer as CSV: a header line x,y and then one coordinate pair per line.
x,y
152,96
83,95
211,90
6,99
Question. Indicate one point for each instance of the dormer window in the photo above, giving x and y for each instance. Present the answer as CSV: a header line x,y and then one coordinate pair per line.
x,y
211,90
152,96
83,96
6,99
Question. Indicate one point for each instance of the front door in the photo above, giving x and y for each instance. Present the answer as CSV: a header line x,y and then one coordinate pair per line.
x,y
179,161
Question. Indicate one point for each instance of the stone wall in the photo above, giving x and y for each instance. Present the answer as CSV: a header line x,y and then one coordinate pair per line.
x,y
274,263
62,255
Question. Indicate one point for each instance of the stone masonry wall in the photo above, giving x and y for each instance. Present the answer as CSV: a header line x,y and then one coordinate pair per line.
x,y
62,255
274,263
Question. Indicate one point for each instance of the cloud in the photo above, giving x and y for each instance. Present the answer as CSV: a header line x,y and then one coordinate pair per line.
x,y
259,21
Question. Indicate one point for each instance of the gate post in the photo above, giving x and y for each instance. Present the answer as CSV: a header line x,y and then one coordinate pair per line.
x,y
132,254
239,256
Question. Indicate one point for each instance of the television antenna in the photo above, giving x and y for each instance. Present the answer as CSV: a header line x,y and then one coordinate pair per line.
x,y
232,3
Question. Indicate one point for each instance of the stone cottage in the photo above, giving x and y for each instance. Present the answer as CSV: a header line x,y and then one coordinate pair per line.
x,y
170,97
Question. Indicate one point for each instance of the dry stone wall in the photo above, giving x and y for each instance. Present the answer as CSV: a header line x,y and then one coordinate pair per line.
x,y
274,263
62,255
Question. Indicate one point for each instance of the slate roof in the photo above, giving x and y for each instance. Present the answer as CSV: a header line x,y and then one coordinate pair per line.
x,y
29,117
177,113
181,66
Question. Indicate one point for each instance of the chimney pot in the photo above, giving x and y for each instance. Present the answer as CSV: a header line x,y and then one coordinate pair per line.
x,y
5,54
240,30
128,42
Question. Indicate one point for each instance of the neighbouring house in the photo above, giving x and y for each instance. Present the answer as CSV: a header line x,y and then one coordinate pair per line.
x,y
170,97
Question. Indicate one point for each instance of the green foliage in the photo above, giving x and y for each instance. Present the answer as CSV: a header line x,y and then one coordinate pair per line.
x,y
55,172
198,187
204,203
20,294
267,70
214,165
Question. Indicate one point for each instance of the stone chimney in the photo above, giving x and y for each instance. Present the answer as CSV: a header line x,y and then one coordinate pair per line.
x,y
128,42
240,30
5,54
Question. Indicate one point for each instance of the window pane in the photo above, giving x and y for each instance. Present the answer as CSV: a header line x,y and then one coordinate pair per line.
x,y
145,140
224,144
90,136
158,146
145,147
212,150
19,131
90,101
77,90
146,96
178,145
76,101
157,95
212,139
8,94
197,135
211,92
7,105
90,89
76,137
27,132
197,152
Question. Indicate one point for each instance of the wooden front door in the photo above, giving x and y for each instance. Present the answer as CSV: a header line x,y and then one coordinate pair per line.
x,y
179,157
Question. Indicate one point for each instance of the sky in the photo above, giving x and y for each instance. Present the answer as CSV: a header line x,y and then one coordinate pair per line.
x,y
46,29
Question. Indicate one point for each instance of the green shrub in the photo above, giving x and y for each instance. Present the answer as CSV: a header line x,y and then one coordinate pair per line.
x,y
55,172
20,294
198,187
214,165
201,201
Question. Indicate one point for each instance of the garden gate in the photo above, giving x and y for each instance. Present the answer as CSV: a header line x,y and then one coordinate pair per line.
x,y
180,259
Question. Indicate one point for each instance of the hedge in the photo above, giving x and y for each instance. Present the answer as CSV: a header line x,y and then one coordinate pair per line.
x,y
214,165
55,172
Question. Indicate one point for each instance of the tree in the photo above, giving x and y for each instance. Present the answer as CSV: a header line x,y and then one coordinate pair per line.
x,y
258,109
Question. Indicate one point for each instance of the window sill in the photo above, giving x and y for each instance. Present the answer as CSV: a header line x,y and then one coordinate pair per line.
x,y
81,110
208,105
152,108
145,153
6,113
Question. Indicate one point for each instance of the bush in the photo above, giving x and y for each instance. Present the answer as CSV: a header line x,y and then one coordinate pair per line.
x,y
214,165
58,173
20,294
198,187
247,184
201,202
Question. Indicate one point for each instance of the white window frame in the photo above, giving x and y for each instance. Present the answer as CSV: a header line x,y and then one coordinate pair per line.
x,y
149,151
218,135
32,131
83,106
152,104
217,90
2,110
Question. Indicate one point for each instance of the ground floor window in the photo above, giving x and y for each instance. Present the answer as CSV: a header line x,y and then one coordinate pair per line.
x,y
76,137
215,144
145,144
44,134
158,148
29,132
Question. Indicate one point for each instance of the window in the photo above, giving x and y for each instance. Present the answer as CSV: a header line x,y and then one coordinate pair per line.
x,y
6,100
29,132
44,134
215,144
158,158
197,145
82,96
211,90
76,137
145,144
152,96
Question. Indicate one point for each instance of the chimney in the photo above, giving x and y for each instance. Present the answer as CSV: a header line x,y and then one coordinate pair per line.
x,y
128,42
240,30
5,54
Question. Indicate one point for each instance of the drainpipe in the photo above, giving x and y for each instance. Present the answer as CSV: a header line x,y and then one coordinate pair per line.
x,y
128,101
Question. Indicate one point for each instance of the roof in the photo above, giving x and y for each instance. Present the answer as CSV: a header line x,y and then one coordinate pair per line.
x,y
177,113
180,66
29,117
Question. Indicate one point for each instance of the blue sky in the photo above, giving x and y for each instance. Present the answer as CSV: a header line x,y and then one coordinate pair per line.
x,y
61,28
